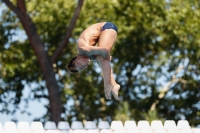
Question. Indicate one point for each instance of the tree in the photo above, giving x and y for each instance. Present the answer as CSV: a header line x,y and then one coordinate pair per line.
x,y
45,61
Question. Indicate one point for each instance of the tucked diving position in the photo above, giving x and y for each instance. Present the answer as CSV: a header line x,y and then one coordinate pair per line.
x,y
95,43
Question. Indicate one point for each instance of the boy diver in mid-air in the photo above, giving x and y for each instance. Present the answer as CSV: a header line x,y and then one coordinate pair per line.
x,y
105,35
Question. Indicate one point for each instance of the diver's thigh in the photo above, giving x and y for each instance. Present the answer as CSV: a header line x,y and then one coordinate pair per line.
x,y
107,38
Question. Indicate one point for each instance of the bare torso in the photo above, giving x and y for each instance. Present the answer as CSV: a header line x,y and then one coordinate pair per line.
x,y
91,34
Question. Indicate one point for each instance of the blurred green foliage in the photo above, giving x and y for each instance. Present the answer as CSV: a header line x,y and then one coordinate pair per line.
x,y
156,59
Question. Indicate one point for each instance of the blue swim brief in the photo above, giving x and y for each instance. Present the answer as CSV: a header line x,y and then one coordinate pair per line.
x,y
109,25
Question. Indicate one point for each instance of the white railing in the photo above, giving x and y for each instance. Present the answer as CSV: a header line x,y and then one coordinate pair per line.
x,y
142,126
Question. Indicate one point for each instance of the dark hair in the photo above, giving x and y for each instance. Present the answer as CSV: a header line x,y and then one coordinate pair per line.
x,y
71,65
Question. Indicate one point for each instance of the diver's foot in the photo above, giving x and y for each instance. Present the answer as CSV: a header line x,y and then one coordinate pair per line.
x,y
115,91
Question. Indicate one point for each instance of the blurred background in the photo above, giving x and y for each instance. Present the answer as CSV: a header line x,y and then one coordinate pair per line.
x,y
156,60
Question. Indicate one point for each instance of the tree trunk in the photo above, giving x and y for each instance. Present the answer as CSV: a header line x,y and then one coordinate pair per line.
x,y
45,61
47,70
43,58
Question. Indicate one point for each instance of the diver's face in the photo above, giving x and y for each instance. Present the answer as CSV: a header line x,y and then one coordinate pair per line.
x,y
81,63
